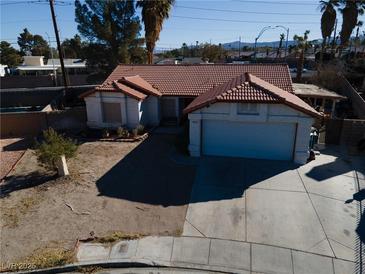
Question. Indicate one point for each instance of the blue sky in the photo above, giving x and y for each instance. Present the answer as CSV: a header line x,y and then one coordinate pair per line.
x,y
190,21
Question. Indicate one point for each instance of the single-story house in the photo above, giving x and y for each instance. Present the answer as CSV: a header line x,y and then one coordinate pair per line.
x,y
246,110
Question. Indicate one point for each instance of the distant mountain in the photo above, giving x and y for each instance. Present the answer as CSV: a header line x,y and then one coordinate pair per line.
x,y
274,44
235,44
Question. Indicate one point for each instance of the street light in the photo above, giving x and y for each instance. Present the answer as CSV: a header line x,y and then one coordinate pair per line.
x,y
258,36
275,27
287,37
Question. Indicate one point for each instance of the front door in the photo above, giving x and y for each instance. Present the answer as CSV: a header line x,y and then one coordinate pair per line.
x,y
168,108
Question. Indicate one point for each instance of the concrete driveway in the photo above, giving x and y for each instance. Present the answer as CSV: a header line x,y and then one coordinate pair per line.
x,y
306,208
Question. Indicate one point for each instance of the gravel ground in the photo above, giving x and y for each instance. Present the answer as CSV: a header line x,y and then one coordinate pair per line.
x,y
113,187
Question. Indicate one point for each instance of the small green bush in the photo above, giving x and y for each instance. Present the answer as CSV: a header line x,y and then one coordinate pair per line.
x,y
122,132
53,146
105,133
139,130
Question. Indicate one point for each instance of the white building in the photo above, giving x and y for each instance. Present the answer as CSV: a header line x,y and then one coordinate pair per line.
x,y
34,65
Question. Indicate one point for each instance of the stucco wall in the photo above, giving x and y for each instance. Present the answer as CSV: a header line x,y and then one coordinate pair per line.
x,y
20,124
150,111
133,112
273,113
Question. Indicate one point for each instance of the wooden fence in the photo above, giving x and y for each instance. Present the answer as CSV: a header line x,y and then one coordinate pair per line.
x,y
347,132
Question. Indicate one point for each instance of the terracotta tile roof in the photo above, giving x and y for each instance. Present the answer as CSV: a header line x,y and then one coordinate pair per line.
x,y
249,88
134,86
290,99
193,80
139,83
129,91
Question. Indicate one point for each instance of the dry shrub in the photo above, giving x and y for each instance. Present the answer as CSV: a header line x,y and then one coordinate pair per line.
x,y
43,258
118,236
328,78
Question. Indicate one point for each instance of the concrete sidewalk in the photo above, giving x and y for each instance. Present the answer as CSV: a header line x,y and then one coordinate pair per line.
x,y
197,253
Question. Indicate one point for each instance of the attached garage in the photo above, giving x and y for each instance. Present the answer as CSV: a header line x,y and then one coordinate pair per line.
x,y
273,141
250,118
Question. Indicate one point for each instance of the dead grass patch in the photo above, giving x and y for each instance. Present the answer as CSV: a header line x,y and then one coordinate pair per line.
x,y
43,258
177,232
11,215
118,236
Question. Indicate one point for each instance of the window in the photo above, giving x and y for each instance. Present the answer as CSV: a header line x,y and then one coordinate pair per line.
x,y
246,108
111,113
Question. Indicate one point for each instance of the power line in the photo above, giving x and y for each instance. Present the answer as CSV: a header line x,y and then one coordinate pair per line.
x,y
244,21
23,2
42,2
32,20
299,3
242,11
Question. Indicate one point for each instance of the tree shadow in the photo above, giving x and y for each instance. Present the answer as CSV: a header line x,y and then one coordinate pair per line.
x,y
18,182
21,144
360,229
149,175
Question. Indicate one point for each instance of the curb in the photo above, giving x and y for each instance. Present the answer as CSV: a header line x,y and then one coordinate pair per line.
x,y
114,264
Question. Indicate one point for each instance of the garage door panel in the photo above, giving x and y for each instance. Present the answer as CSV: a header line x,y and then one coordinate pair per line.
x,y
252,140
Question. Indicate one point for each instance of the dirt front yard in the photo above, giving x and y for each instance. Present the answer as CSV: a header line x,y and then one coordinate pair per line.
x,y
132,188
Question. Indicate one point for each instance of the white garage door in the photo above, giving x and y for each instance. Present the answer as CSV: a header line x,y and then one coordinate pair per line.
x,y
250,140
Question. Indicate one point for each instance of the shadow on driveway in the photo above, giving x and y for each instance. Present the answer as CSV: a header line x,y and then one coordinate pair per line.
x,y
149,175
339,166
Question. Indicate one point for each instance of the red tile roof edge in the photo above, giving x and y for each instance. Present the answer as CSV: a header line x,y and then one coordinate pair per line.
x,y
289,98
129,91
284,97
142,85
204,64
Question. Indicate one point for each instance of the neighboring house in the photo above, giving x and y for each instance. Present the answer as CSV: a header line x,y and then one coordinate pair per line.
x,y
319,98
3,70
181,61
34,65
233,110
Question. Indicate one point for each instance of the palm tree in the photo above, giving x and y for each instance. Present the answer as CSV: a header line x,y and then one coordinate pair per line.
x,y
357,38
350,13
282,37
302,44
328,21
154,12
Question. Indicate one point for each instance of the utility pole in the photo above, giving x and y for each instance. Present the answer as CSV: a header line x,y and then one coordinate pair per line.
x,y
239,47
60,53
